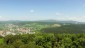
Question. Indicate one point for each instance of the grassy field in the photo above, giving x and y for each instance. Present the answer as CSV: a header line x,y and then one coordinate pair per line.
x,y
1,40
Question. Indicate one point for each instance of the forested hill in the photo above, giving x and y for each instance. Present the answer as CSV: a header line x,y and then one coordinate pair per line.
x,y
40,21
73,28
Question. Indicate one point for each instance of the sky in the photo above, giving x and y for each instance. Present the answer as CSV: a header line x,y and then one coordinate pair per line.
x,y
42,10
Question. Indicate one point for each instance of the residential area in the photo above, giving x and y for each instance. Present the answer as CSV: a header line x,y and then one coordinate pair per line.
x,y
12,29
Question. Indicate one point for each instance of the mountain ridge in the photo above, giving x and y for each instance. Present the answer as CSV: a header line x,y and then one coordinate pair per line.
x,y
57,21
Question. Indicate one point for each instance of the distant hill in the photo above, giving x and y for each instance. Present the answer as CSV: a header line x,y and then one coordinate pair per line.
x,y
57,21
43,21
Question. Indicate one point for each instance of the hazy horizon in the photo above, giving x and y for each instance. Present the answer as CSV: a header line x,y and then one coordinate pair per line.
x,y
30,10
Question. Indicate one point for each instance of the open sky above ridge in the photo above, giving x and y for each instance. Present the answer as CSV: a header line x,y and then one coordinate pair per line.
x,y
42,10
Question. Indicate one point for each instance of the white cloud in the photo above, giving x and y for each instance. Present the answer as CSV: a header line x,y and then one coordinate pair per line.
x,y
3,18
0,16
80,18
58,14
74,18
31,11
61,16
81,3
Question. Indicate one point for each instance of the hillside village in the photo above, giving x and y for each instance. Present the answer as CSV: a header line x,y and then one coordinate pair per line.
x,y
12,29
27,28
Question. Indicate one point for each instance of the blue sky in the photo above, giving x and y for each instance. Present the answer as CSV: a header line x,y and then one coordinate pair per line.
x,y
42,10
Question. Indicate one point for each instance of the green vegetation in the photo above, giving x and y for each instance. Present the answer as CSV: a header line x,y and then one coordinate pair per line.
x,y
44,40
47,35
1,40
72,28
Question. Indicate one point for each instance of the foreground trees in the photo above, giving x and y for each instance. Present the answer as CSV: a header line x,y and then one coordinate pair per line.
x,y
43,40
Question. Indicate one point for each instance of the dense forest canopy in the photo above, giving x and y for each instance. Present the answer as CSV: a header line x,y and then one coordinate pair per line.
x,y
43,40
72,28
